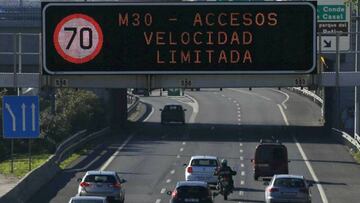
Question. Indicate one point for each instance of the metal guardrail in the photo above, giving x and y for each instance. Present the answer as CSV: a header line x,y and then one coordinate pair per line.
x,y
348,138
308,93
78,139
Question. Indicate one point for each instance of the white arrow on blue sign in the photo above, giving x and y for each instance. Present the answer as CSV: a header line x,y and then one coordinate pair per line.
x,y
21,117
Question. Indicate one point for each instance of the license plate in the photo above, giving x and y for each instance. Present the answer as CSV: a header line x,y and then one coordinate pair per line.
x,y
191,200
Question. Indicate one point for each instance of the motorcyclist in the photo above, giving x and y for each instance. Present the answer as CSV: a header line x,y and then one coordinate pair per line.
x,y
225,171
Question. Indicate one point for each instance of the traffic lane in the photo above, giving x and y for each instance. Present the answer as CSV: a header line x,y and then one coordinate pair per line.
x,y
337,171
215,107
144,163
158,102
226,150
64,185
301,111
256,108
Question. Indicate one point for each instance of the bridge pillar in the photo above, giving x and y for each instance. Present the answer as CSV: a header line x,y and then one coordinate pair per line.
x,y
118,106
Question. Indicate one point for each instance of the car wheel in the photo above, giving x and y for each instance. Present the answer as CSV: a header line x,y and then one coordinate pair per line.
x,y
256,177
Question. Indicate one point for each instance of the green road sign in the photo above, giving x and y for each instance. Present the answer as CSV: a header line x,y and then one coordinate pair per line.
x,y
331,12
173,92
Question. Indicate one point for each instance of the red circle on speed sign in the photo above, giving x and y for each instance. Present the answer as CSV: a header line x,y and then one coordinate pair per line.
x,y
78,38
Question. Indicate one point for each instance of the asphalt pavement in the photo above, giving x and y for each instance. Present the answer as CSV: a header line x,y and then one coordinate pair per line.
x,y
227,124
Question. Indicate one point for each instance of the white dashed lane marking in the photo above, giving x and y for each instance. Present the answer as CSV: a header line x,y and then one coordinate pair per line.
x,y
241,158
172,171
158,201
242,165
168,180
242,182
178,156
181,149
184,143
241,151
163,191
241,144
242,173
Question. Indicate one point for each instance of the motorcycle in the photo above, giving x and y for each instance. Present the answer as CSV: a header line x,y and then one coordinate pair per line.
x,y
224,186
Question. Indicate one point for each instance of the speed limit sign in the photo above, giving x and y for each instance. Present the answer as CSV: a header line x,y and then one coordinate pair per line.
x,y
78,38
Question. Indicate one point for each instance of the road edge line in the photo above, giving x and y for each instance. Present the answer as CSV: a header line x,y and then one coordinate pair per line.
x,y
307,163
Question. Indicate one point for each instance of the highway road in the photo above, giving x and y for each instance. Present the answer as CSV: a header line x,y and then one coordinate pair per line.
x,y
227,124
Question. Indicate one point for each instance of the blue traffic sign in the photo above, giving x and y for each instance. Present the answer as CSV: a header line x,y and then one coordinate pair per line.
x,y
21,117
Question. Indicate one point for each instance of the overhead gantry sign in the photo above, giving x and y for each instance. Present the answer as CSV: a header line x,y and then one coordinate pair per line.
x,y
179,38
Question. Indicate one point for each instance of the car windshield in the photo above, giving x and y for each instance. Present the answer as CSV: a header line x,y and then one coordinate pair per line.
x,y
173,108
87,201
192,191
204,162
100,179
289,182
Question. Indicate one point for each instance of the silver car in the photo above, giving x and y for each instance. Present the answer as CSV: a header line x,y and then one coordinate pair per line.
x,y
202,168
102,183
288,188
86,199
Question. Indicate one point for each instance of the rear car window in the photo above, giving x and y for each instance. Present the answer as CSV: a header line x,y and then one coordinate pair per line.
x,y
289,182
173,108
100,179
204,162
270,153
192,191
88,201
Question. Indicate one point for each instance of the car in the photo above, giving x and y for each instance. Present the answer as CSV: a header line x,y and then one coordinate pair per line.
x,y
172,113
86,199
270,158
191,191
202,168
141,91
102,183
288,188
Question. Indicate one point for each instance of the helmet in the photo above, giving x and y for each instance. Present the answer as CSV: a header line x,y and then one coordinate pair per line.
x,y
224,162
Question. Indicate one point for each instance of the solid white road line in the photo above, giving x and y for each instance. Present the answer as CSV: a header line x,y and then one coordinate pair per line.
x,y
311,170
107,163
150,114
283,114
286,95
195,107
306,160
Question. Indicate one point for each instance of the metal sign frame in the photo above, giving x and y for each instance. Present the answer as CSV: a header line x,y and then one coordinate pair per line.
x,y
49,4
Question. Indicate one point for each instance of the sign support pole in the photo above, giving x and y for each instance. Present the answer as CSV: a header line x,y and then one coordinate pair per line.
x,y
29,154
337,79
12,156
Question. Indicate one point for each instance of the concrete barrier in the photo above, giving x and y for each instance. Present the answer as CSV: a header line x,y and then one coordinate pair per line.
x,y
32,182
